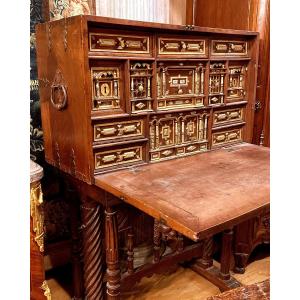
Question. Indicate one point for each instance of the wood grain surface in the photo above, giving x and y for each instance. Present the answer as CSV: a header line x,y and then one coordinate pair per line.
x,y
198,195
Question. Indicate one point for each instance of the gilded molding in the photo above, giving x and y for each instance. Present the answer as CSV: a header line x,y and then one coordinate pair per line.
x,y
37,213
46,290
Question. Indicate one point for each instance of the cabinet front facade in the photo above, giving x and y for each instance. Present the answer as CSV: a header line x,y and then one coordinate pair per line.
x,y
121,94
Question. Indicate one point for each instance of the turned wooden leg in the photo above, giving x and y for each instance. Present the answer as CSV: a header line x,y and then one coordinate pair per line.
x,y
226,254
240,262
77,279
206,260
112,255
93,258
156,241
130,253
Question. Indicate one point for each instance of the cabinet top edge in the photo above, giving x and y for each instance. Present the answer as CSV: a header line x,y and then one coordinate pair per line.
x,y
107,21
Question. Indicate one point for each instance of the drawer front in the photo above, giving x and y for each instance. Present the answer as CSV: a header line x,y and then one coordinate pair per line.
x,y
181,46
229,48
168,104
226,137
102,42
117,157
222,117
119,130
156,156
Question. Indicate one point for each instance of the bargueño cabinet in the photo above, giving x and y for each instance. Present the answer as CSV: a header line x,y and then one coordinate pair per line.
x,y
117,93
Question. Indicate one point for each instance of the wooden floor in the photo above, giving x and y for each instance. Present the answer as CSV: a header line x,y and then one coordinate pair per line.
x,y
182,285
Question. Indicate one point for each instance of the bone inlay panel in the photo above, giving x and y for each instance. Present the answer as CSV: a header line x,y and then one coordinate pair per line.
x,y
180,85
105,88
182,46
217,73
123,129
117,157
226,137
236,82
119,43
175,131
222,117
229,48
141,86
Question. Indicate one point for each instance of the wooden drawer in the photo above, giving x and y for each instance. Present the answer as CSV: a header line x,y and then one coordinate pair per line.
x,y
226,137
129,129
119,156
177,151
227,116
182,46
106,42
229,48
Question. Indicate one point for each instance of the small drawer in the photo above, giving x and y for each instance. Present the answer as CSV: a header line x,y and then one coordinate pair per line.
x,y
119,156
177,151
168,104
229,48
182,46
226,137
105,42
119,130
223,117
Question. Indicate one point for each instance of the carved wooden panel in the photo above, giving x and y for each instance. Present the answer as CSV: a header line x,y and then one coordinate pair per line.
x,y
120,156
105,87
229,48
227,136
180,85
140,86
182,46
236,83
222,117
177,134
118,43
106,131
217,72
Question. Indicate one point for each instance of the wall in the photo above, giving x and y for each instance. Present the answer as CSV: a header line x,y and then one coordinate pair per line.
x,y
161,11
245,15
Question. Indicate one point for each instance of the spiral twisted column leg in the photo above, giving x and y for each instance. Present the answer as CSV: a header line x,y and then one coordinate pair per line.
x,y
93,254
206,260
156,241
112,255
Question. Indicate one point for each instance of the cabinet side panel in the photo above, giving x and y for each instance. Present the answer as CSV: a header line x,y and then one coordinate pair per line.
x,y
61,65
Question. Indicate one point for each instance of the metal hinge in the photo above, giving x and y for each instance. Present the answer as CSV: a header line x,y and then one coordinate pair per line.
x,y
257,105
189,27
